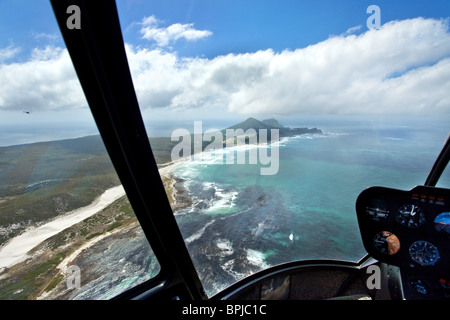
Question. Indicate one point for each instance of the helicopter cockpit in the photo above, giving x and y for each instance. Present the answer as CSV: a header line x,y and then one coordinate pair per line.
x,y
229,233
405,233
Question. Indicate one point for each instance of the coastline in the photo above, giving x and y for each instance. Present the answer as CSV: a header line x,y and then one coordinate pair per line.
x,y
171,184
43,252
16,249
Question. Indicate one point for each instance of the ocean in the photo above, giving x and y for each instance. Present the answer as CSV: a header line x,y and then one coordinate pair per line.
x,y
242,221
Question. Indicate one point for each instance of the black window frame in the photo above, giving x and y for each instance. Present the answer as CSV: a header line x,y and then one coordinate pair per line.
x,y
99,58
98,55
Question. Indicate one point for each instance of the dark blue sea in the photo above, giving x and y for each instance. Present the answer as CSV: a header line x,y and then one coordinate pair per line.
x,y
242,221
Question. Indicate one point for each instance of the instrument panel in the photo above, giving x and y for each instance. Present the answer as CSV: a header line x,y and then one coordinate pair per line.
x,y
410,230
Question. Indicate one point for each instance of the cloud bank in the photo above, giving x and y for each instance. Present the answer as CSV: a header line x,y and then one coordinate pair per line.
x,y
402,68
170,34
8,53
46,82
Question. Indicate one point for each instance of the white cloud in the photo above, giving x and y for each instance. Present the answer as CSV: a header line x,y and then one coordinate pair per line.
x,y
8,53
352,30
172,33
402,68
343,74
46,82
352,74
45,36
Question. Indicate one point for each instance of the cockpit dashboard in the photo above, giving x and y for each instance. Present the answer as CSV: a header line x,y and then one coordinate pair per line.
x,y
409,230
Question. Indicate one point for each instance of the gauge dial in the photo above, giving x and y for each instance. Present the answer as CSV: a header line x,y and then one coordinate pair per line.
x,y
424,253
377,214
411,216
386,243
442,222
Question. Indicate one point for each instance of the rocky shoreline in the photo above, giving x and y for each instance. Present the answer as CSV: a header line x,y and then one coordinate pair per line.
x,y
43,274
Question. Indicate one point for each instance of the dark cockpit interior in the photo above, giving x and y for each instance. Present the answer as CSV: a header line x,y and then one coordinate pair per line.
x,y
405,233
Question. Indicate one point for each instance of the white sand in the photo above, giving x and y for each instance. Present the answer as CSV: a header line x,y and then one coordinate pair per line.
x,y
16,250
166,170
63,264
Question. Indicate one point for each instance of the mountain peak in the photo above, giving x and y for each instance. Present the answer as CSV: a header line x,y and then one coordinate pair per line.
x,y
268,124
250,123
273,122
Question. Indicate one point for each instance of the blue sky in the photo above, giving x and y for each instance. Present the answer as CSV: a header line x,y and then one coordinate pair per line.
x,y
238,26
234,59
250,25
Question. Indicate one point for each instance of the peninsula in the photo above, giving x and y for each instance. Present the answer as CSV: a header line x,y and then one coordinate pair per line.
x,y
49,186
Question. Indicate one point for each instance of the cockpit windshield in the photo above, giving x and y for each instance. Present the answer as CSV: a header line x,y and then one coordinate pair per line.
x,y
353,96
266,119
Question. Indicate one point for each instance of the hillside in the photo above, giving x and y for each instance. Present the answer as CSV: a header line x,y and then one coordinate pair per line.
x,y
251,123
273,122
268,124
40,181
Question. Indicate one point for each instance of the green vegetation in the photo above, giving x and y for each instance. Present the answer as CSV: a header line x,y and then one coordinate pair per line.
x,y
52,285
40,181
168,186
43,180
113,226
162,148
39,274
31,281
252,123
119,213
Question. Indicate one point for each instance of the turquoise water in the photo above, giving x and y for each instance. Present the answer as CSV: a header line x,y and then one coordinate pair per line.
x,y
243,221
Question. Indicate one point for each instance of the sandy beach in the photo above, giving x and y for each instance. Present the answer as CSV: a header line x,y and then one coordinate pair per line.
x,y
168,168
16,250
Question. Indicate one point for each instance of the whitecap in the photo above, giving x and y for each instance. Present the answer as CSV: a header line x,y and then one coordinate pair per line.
x,y
223,199
395,139
259,229
229,268
225,247
256,258
199,233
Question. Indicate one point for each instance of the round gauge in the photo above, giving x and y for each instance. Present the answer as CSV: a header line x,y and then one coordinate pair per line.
x,y
411,216
442,222
386,243
424,253
377,214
